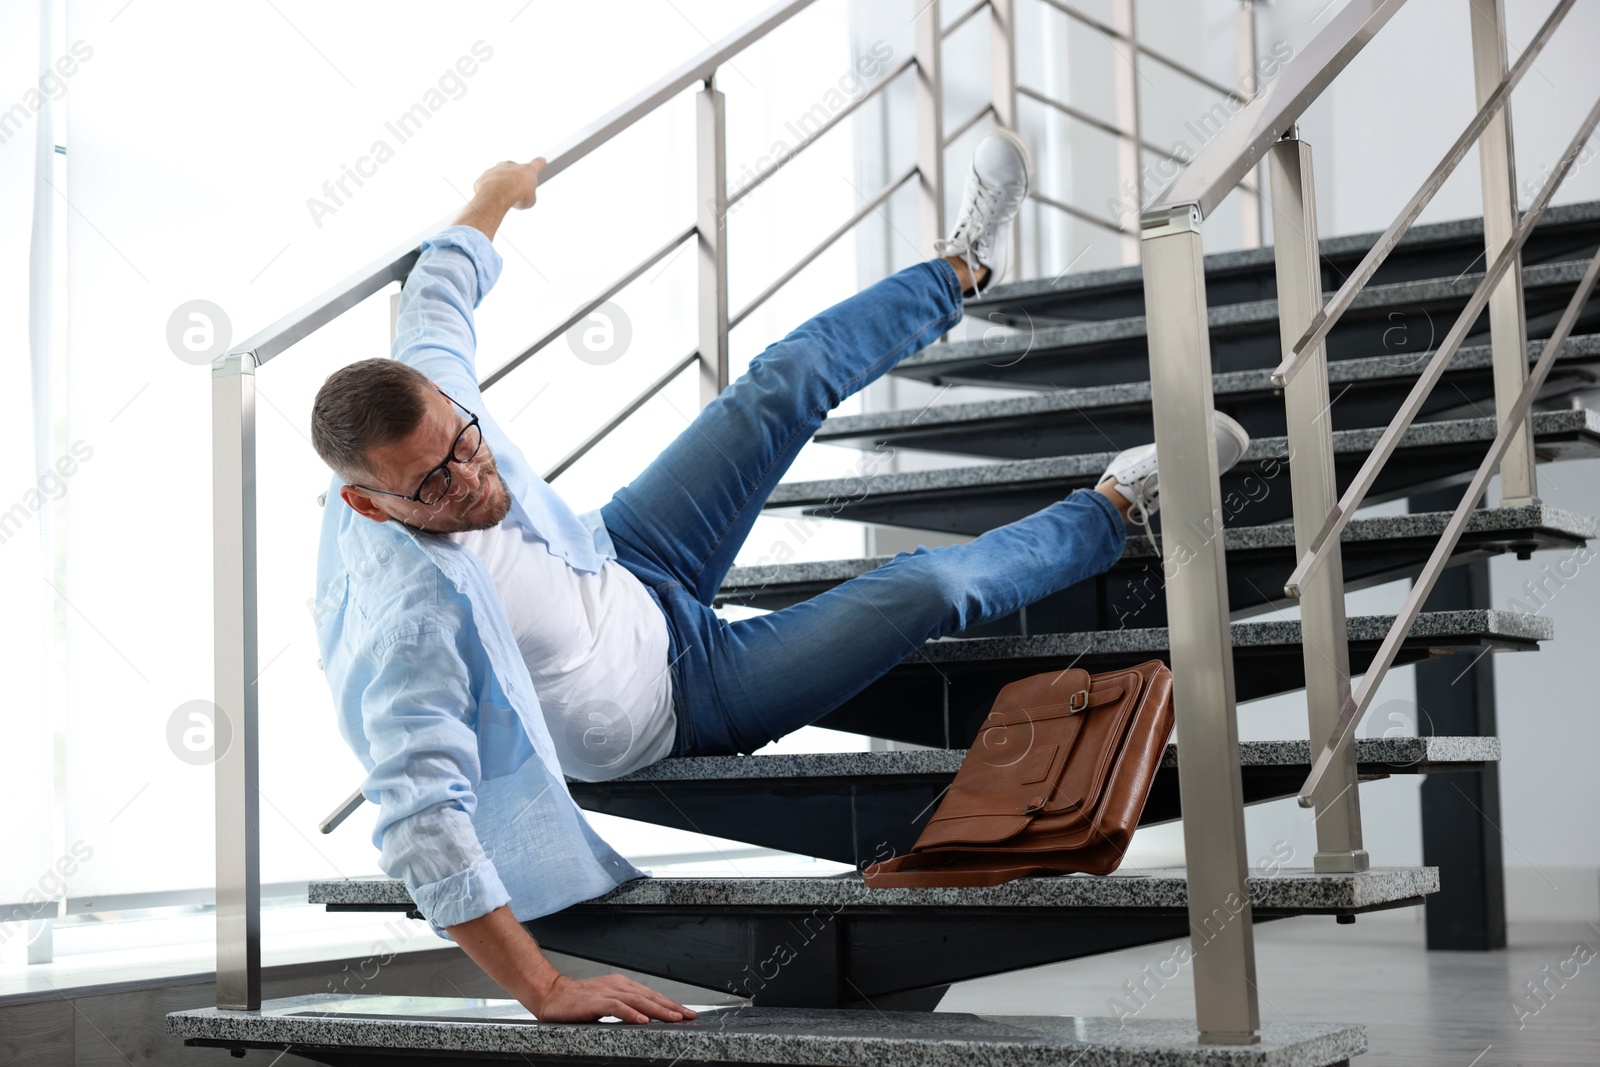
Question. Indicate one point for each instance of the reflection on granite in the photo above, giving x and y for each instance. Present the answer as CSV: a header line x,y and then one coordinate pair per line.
x,y
752,1035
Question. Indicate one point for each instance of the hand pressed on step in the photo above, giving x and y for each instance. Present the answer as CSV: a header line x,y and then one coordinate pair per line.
x,y
583,1000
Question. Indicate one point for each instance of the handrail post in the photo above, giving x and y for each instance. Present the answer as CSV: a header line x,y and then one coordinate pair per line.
x,y
1507,322
238,826
711,178
1003,95
1325,646
930,122
1125,92
1246,76
1195,571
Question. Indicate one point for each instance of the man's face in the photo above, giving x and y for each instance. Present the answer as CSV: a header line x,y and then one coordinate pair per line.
x,y
478,498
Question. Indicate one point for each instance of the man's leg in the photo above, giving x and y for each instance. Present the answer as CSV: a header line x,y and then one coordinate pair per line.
x,y
772,674
686,516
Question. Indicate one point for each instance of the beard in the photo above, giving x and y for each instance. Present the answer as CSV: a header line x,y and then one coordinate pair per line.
x,y
498,506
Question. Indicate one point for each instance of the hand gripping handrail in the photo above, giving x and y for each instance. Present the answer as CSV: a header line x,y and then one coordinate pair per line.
x,y
395,265
1328,536
1324,320
1356,706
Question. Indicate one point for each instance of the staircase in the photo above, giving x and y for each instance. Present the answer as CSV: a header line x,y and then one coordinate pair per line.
x,y
865,969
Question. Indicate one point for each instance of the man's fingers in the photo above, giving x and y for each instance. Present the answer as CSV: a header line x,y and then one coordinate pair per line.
x,y
655,995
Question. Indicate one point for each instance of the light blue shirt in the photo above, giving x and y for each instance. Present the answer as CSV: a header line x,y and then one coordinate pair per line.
x,y
431,691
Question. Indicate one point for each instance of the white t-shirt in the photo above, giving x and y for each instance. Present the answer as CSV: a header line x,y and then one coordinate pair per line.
x,y
596,647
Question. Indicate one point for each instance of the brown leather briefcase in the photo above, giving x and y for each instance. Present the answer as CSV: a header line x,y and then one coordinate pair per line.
x,y
1055,782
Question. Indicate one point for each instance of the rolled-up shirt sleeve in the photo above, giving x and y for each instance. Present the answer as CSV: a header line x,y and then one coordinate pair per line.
x,y
417,712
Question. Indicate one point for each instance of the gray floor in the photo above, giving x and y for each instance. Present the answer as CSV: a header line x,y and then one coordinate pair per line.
x,y
1448,1008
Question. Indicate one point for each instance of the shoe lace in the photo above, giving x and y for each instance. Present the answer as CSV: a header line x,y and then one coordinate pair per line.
x,y
1141,518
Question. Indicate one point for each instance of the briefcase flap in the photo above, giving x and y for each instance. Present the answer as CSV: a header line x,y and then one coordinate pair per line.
x,y
1015,766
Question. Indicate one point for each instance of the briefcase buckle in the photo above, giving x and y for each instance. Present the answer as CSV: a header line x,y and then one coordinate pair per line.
x,y
1078,701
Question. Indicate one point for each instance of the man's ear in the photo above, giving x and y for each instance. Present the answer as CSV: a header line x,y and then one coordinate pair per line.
x,y
362,504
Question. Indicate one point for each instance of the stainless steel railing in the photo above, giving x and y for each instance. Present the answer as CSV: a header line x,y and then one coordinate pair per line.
x,y
233,374
1226,999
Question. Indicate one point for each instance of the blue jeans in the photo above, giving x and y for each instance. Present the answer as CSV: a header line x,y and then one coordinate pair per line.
x,y
678,526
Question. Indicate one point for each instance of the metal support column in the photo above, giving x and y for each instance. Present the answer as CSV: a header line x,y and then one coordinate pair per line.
x,y
1461,812
1245,78
1003,94
930,124
1220,918
1310,422
238,825
1125,93
1508,333
711,179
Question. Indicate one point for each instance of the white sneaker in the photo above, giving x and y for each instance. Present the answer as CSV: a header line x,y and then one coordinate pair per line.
x,y
1002,170
1135,469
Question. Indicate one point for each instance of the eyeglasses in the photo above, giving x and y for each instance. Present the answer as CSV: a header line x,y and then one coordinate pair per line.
x,y
437,482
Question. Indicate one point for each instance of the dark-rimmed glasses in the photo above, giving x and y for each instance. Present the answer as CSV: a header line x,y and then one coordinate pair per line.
x,y
436,483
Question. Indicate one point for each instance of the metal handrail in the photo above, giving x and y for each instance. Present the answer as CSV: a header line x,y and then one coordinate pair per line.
x,y
1339,517
962,19
621,416
849,109
1359,701
845,227
583,312
323,309
1236,150
1324,320
1138,46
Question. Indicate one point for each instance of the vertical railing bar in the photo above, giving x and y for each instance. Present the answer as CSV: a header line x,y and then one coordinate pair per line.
x,y
1325,645
235,748
1003,99
1508,331
1328,316
930,122
1356,707
711,179
1368,474
1125,94
1212,794
1246,75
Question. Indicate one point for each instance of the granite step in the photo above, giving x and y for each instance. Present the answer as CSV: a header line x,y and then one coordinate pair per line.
x,y
940,693
852,946
1434,250
981,496
1405,320
373,1030
1063,422
844,806
1260,558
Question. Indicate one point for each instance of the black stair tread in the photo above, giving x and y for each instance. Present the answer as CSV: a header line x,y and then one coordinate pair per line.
x,y
1398,752
419,1029
1404,318
1059,421
1534,525
1289,889
974,498
940,693
1439,627
851,806
1564,231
